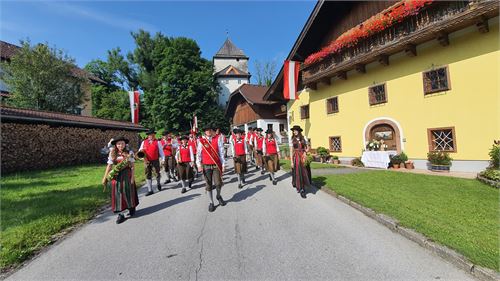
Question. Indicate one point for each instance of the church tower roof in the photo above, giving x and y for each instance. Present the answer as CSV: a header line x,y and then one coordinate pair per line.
x,y
229,50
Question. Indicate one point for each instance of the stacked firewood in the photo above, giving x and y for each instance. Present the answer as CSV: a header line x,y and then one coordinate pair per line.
x,y
39,146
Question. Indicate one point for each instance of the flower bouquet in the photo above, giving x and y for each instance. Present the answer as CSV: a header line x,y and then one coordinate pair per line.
x,y
116,170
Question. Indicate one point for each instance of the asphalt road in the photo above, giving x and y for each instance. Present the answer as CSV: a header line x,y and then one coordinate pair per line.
x,y
264,232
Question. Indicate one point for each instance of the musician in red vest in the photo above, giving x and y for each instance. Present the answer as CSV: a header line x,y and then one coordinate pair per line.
x,y
192,143
257,144
240,151
185,163
210,162
271,152
153,151
168,144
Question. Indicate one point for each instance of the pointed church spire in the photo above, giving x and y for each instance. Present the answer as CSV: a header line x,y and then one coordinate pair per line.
x,y
229,50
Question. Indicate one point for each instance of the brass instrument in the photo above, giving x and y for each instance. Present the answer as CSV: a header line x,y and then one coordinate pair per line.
x,y
140,155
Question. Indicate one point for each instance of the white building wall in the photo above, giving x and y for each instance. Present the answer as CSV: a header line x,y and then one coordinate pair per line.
x,y
221,63
229,85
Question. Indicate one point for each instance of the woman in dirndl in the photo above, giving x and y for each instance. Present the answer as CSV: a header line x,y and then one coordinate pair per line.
x,y
300,176
123,189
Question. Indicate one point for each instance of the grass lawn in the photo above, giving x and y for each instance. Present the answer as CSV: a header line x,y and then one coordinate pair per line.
x,y
462,214
286,165
38,205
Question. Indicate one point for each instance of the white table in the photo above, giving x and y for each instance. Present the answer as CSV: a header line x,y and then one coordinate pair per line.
x,y
376,159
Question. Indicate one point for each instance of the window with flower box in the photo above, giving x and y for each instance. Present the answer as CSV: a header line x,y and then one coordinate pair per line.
x,y
442,139
335,144
332,105
436,80
304,112
377,94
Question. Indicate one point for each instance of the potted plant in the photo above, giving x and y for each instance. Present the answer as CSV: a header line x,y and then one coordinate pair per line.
x,y
439,161
323,153
403,158
395,161
335,160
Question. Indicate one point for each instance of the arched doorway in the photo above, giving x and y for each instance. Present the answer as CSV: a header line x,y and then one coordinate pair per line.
x,y
386,130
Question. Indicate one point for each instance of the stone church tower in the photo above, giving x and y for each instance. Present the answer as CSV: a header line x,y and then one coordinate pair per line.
x,y
231,70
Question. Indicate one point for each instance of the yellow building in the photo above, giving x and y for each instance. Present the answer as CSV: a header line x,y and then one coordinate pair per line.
x,y
427,83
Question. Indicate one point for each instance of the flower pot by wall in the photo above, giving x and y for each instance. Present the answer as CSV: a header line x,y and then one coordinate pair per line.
x,y
336,162
439,168
395,166
409,166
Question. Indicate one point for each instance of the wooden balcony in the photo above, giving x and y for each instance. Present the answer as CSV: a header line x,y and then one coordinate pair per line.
x,y
433,23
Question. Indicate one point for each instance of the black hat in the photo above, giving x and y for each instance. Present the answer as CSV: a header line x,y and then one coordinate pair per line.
x,y
207,127
259,129
296,128
165,133
250,128
236,130
184,137
119,139
269,131
151,131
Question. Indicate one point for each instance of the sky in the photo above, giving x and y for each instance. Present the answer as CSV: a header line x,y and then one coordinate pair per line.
x,y
264,30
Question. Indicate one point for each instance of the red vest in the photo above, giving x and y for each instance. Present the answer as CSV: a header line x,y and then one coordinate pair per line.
x,y
271,147
260,140
192,144
167,147
205,157
184,154
151,150
239,147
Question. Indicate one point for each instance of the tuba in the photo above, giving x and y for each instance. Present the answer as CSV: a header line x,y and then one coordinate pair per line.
x,y
140,155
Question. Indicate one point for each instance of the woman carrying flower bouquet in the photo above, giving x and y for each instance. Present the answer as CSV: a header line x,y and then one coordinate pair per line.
x,y
300,176
119,176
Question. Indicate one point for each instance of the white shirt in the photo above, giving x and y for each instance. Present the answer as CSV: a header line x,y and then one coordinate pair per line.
x,y
199,149
264,148
160,148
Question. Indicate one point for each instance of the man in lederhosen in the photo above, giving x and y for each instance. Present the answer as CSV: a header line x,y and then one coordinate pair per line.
x,y
257,144
167,144
153,151
210,162
271,152
185,163
240,151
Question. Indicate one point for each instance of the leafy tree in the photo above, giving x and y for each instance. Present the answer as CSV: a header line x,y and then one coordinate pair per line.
x,y
43,77
265,72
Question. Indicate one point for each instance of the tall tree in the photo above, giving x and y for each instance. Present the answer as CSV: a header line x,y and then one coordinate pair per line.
x,y
43,77
265,72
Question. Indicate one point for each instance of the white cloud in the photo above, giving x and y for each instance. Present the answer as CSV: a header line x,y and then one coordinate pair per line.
x,y
116,21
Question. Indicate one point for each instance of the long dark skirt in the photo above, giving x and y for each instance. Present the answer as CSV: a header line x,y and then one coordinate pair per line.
x,y
123,192
299,172
185,171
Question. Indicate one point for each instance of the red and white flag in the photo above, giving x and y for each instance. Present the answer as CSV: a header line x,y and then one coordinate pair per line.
x,y
194,126
134,106
291,79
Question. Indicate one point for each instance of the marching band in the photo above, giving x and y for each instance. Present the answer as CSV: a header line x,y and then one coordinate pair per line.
x,y
189,156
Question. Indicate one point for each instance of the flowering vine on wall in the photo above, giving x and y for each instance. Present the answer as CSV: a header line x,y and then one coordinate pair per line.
x,y
376,23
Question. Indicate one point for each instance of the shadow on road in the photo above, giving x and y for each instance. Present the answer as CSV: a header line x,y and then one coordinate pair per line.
x,y
161,206
245,193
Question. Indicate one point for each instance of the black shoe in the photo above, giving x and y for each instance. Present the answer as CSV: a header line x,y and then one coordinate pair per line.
x,y
159,187
303,194
190,183
275,182
120,219
221,201
167,181
131,211
243,181
262,172
183,190
211,207
270,178
240,186
149,193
